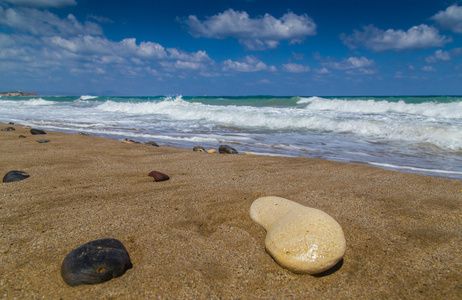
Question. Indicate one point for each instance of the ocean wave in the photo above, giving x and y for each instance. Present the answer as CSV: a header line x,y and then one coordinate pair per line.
x,y
87,97
397,167
452,110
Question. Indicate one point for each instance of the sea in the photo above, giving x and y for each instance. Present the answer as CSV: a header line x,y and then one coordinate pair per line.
x,y
416,134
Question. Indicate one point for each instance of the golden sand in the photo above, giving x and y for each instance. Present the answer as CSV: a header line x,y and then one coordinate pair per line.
x,y
191,237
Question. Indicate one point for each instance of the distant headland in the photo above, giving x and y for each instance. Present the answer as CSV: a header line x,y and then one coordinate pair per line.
x,y
17,94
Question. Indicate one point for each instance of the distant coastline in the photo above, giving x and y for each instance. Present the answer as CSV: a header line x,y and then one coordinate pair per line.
x,y
17,94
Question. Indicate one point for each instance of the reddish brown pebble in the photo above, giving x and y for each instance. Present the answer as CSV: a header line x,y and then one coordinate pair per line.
x,y
158,176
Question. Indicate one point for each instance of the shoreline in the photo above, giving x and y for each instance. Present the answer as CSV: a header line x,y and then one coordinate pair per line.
x,y
192,236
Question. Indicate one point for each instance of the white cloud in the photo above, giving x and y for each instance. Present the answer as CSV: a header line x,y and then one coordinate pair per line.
x,y
323,71
416,38
255,34
439,55
39,22
41,3
295,68
428,69
249,64
351,63
47,42
450,19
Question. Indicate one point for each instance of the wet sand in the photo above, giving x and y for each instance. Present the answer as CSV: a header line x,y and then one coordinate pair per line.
x,y
191,237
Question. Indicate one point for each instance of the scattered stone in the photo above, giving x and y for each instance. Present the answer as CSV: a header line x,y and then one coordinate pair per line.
x,y
299,238
95,262
37,131
8,129
22,136
212,151
152,143
83,133
15,175
199,149
158,176
11,123
43,141
227,149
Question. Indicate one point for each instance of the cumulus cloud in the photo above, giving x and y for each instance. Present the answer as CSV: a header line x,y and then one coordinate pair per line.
x,y
351,63
45,40
416,38
450,19
255,34
39,22
295,68
248,64
41,3
440,55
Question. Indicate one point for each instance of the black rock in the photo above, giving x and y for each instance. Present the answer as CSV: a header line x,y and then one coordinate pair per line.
x,y
95,262
15,175
21,136
152,144
8,129
43,141
227,149
37,131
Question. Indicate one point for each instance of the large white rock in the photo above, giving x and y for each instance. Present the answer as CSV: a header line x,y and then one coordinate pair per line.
x,y
299,238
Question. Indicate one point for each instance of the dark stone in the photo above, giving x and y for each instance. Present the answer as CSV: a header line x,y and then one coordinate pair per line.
x,y
22,136
95,262
199,149
15,175
152,144
37,131
227,149
158,176
11,123
43,141
8,129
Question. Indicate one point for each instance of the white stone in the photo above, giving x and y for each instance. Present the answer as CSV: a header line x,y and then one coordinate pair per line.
x,y
299,238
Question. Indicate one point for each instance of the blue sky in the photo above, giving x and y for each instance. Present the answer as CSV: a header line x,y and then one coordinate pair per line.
x,y
234,47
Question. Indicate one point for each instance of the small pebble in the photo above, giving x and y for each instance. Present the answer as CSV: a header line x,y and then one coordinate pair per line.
x,y
95,262
199,149
152,143
8,129
158,176
227,149
15,175
299,238
22,136
37,131
43,141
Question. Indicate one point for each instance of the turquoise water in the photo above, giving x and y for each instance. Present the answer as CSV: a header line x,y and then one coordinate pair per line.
x,y
411,134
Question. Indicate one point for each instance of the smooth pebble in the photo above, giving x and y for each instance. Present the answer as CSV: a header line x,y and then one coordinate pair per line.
x,y
95,262
225,149
37,131
299,238
158,176
15,175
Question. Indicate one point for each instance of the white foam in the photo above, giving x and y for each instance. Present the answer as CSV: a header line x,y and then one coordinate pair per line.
x,y
87,97
414,168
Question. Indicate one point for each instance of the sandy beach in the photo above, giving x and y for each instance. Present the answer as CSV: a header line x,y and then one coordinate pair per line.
x,y
191,237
